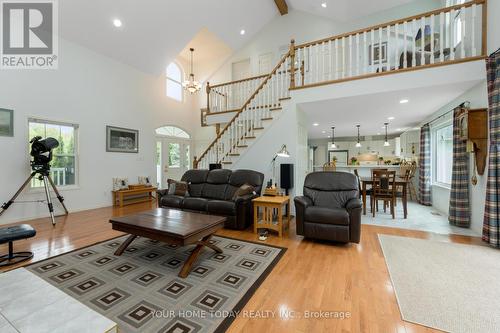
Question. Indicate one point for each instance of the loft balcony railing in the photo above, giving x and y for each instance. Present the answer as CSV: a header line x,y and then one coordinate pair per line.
x,y
440,37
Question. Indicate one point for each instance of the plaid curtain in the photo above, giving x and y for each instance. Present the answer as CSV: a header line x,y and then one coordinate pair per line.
x,y
491,227
459,213
424,187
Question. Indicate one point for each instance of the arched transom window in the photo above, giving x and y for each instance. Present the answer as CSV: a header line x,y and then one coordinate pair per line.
x,y
172,131
174,82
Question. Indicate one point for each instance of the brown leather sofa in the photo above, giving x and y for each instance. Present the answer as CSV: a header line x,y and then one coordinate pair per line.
x,y
212,192
330,208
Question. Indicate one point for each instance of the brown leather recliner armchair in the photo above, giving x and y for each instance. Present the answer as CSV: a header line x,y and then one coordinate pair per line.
x,y
330,208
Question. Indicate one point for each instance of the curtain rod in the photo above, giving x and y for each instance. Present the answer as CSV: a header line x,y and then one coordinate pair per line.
x,y
446,113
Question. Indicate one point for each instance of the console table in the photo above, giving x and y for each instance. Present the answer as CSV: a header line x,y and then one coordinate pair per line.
x,y
269,206
122,197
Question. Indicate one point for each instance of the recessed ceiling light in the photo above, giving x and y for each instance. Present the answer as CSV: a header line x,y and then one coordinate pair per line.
x,y
391,118
378,133
323,5
329,136
403,101
117,23
242,32
323,132
315,124
399,130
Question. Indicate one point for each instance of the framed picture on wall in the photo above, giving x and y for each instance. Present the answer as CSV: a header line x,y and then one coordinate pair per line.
x,y
379,55
122,140
6,122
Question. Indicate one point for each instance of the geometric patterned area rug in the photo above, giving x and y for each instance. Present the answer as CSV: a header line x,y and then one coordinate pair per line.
x,y
140,289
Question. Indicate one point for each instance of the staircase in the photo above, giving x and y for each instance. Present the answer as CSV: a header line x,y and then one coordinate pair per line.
x,y
257,112
441,37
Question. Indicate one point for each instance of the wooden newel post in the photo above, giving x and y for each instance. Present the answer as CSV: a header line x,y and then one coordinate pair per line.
x,y
195,163
208,97
292,64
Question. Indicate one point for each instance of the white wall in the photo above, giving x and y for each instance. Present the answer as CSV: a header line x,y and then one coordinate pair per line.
x,y
288,128
92,91
478,98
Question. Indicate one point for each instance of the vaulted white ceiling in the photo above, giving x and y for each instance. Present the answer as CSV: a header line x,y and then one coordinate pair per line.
x,y
345,10
154,32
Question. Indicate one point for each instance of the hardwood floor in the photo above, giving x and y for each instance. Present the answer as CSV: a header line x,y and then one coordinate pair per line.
x,y
311,276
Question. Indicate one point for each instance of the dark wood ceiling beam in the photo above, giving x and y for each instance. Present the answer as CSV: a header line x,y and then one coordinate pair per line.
x,y
282,6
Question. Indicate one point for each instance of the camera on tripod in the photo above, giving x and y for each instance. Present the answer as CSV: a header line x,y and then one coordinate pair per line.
x,y
41,151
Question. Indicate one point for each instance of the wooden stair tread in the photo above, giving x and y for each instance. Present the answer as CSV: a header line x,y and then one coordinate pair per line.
x,y
276,109
269,118
258,128
250,137
225,162
242,146
284,98
234,154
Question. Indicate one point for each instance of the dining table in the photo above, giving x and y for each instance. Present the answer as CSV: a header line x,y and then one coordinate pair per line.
x,y
401,182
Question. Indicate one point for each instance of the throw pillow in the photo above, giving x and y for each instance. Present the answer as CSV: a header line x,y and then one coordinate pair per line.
x,y
243,190
177,188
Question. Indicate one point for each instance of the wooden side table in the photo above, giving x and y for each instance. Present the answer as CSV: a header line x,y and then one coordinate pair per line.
x,y
267,220
120,196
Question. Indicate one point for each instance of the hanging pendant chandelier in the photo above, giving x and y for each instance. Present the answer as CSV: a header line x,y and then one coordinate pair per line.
x,y
358,144
191,84
386,142
334,146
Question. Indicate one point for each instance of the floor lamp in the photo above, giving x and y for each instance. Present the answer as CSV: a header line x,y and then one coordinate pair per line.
x,y
283,152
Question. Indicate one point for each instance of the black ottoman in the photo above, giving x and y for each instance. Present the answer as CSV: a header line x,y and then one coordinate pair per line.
x,y
11,234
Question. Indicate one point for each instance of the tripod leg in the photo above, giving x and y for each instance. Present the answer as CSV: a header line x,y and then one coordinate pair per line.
x,y
49,200
59,196
11,201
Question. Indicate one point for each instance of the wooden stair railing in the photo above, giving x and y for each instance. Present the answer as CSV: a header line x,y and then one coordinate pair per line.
x,y
230,96
349,56
273,88
440,37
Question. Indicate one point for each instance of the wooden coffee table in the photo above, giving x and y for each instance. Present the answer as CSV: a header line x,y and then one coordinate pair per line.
x,y
173,227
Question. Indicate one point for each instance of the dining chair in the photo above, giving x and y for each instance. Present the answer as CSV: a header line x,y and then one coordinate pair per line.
x,y
384,188
330,166
407,173
368,190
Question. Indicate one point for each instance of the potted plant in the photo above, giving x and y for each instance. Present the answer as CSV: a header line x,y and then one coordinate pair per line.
x,y
380,160
354,160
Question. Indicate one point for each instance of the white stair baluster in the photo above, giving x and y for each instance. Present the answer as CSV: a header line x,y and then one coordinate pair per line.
x,y
350,55
414,57
473,30
380,67
372,56
405,43
358,54
422,41
441,37
336,59
365,53
462,31
452,34
343,58
432,38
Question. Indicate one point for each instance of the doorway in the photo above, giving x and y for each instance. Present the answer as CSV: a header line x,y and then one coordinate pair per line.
x,y
173,154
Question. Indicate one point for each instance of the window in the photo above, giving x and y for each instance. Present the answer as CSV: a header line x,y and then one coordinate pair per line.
x,y
63,169
174,82
173,132
174,155
443,156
